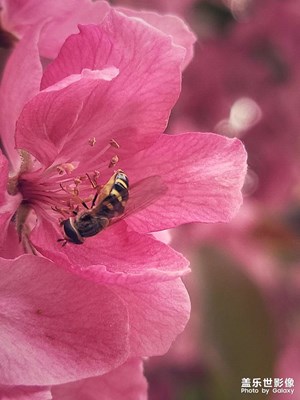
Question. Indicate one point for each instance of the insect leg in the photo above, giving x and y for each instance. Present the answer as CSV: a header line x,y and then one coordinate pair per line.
x,y
64,242
95,186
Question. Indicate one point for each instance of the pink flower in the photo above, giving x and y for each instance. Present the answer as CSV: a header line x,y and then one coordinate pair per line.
x,y
75,312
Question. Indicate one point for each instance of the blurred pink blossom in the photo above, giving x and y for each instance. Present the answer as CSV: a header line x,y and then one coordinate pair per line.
x,y
254,61
263,250
171,6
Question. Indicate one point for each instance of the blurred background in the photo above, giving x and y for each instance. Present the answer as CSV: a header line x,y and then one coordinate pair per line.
x,y
244,81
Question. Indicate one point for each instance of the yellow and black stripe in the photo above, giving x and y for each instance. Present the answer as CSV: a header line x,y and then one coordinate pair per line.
x,y
114,204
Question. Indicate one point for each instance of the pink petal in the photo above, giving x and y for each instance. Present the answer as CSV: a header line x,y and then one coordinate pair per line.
x,y
158,313
17,87
114,256
10,246
3,176
106,74
61,19
171,25
131,109
53,116
66,23
24,393
126,43
56,327
123,383
204,173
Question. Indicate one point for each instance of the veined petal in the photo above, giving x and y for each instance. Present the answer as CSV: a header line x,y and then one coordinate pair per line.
x,y
114,256
24,393
131,109
20,82
127,43
123,383
10,246
170,25
106,74
54,116
204,174
157,312
56,327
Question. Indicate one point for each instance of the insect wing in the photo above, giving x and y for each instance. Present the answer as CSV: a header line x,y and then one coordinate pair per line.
x,y
142,194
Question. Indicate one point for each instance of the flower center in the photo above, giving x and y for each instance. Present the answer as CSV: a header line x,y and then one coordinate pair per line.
x,y
53,193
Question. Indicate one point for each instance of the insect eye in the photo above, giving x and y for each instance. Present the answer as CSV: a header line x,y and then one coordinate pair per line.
x,y
70,232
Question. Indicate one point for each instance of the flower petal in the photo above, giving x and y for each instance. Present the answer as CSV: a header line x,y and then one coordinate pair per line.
x,y
61,19
17,87
171,25
53,116
120,41
10,246
125,382
24,393
114,256
131,109
56,327
204,173
3,177
158,313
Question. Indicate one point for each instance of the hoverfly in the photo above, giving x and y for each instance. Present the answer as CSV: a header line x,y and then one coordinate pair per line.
x,y
108,206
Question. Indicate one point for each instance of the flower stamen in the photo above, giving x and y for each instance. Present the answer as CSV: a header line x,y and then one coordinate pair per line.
x,y
113,161
66,168
92,141
114,143
74,196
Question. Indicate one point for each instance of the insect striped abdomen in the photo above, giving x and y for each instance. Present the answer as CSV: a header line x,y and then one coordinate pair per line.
x,y
114,204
